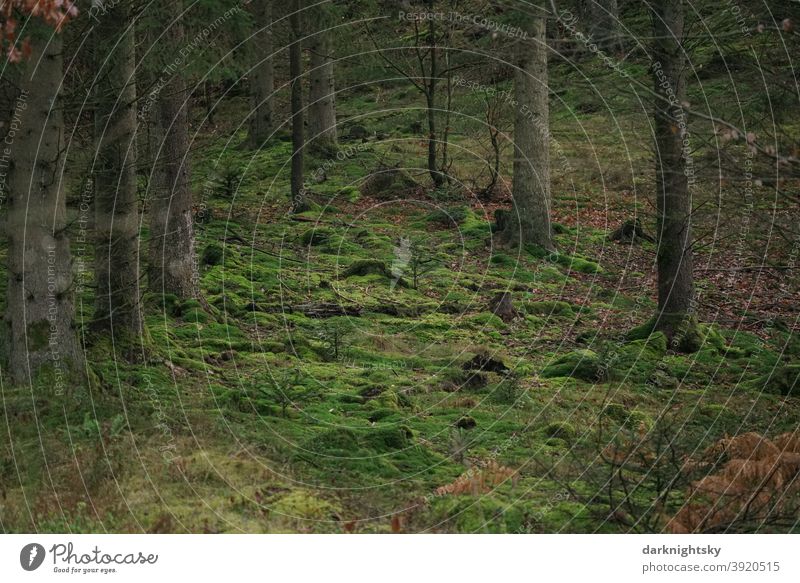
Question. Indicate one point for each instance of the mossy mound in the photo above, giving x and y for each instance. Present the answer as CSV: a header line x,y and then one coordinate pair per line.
x,y
302,505
785,380
560,430
345,442
550,308
447,217
571,262
212,254
364,267
637,360
315,237
585,365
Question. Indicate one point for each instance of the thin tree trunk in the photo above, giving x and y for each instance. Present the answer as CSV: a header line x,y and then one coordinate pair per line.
x,y
445,166
173,268
531,188
674,256
262,81
117,306
322,102
298,135
40,337
430,96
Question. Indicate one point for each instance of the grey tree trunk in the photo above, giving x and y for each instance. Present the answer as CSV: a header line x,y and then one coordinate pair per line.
x,y
430,101
262,80
674,238
531,187
298,134
602,22
605,27
321,97
172,262
117,307
40,340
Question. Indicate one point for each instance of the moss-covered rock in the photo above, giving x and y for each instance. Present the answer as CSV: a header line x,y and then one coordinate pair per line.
x,y
785,380
316,236
560,430
585,365
212,254
367,267
636,360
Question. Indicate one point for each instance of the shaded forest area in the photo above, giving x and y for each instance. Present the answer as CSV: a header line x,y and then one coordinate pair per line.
x,y
399,266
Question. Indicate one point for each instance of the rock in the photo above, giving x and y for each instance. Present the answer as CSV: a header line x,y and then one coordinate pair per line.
x,y
315,237
212,254
466,422
485,362
631,232
367,267
387,182
357,132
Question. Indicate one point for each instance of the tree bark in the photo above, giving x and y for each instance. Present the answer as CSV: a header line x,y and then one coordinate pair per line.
x,y
173,265
673,201
262,81
531,187
298,134
117,307
40,339
430,100
322,101
602,18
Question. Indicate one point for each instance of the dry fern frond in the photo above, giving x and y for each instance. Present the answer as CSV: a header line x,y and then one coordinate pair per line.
x,y
759,480
479,480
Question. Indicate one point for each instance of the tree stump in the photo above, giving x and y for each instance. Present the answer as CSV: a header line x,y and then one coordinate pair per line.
x,y
502,307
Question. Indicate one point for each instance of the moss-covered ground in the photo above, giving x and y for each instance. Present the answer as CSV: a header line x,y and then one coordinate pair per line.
x,y
332,384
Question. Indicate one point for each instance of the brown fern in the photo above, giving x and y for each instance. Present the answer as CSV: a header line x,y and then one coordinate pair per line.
x,y
479,480
752,480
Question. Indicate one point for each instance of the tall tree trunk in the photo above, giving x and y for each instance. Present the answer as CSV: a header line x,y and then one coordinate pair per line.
x,y
531,188
40,336
117,306
298,135
603,17
674,255
173,267
262,80
321,97
430,97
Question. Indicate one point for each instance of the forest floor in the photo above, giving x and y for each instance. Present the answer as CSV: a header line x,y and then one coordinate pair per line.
x,y
325,390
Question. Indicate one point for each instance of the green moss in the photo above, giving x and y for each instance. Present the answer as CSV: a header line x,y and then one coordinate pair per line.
x,y
785,380
316,236
448,217
560,430
212,254
637,360
487,319
549,308
364,267
302,505
484,514
503,259
580,364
